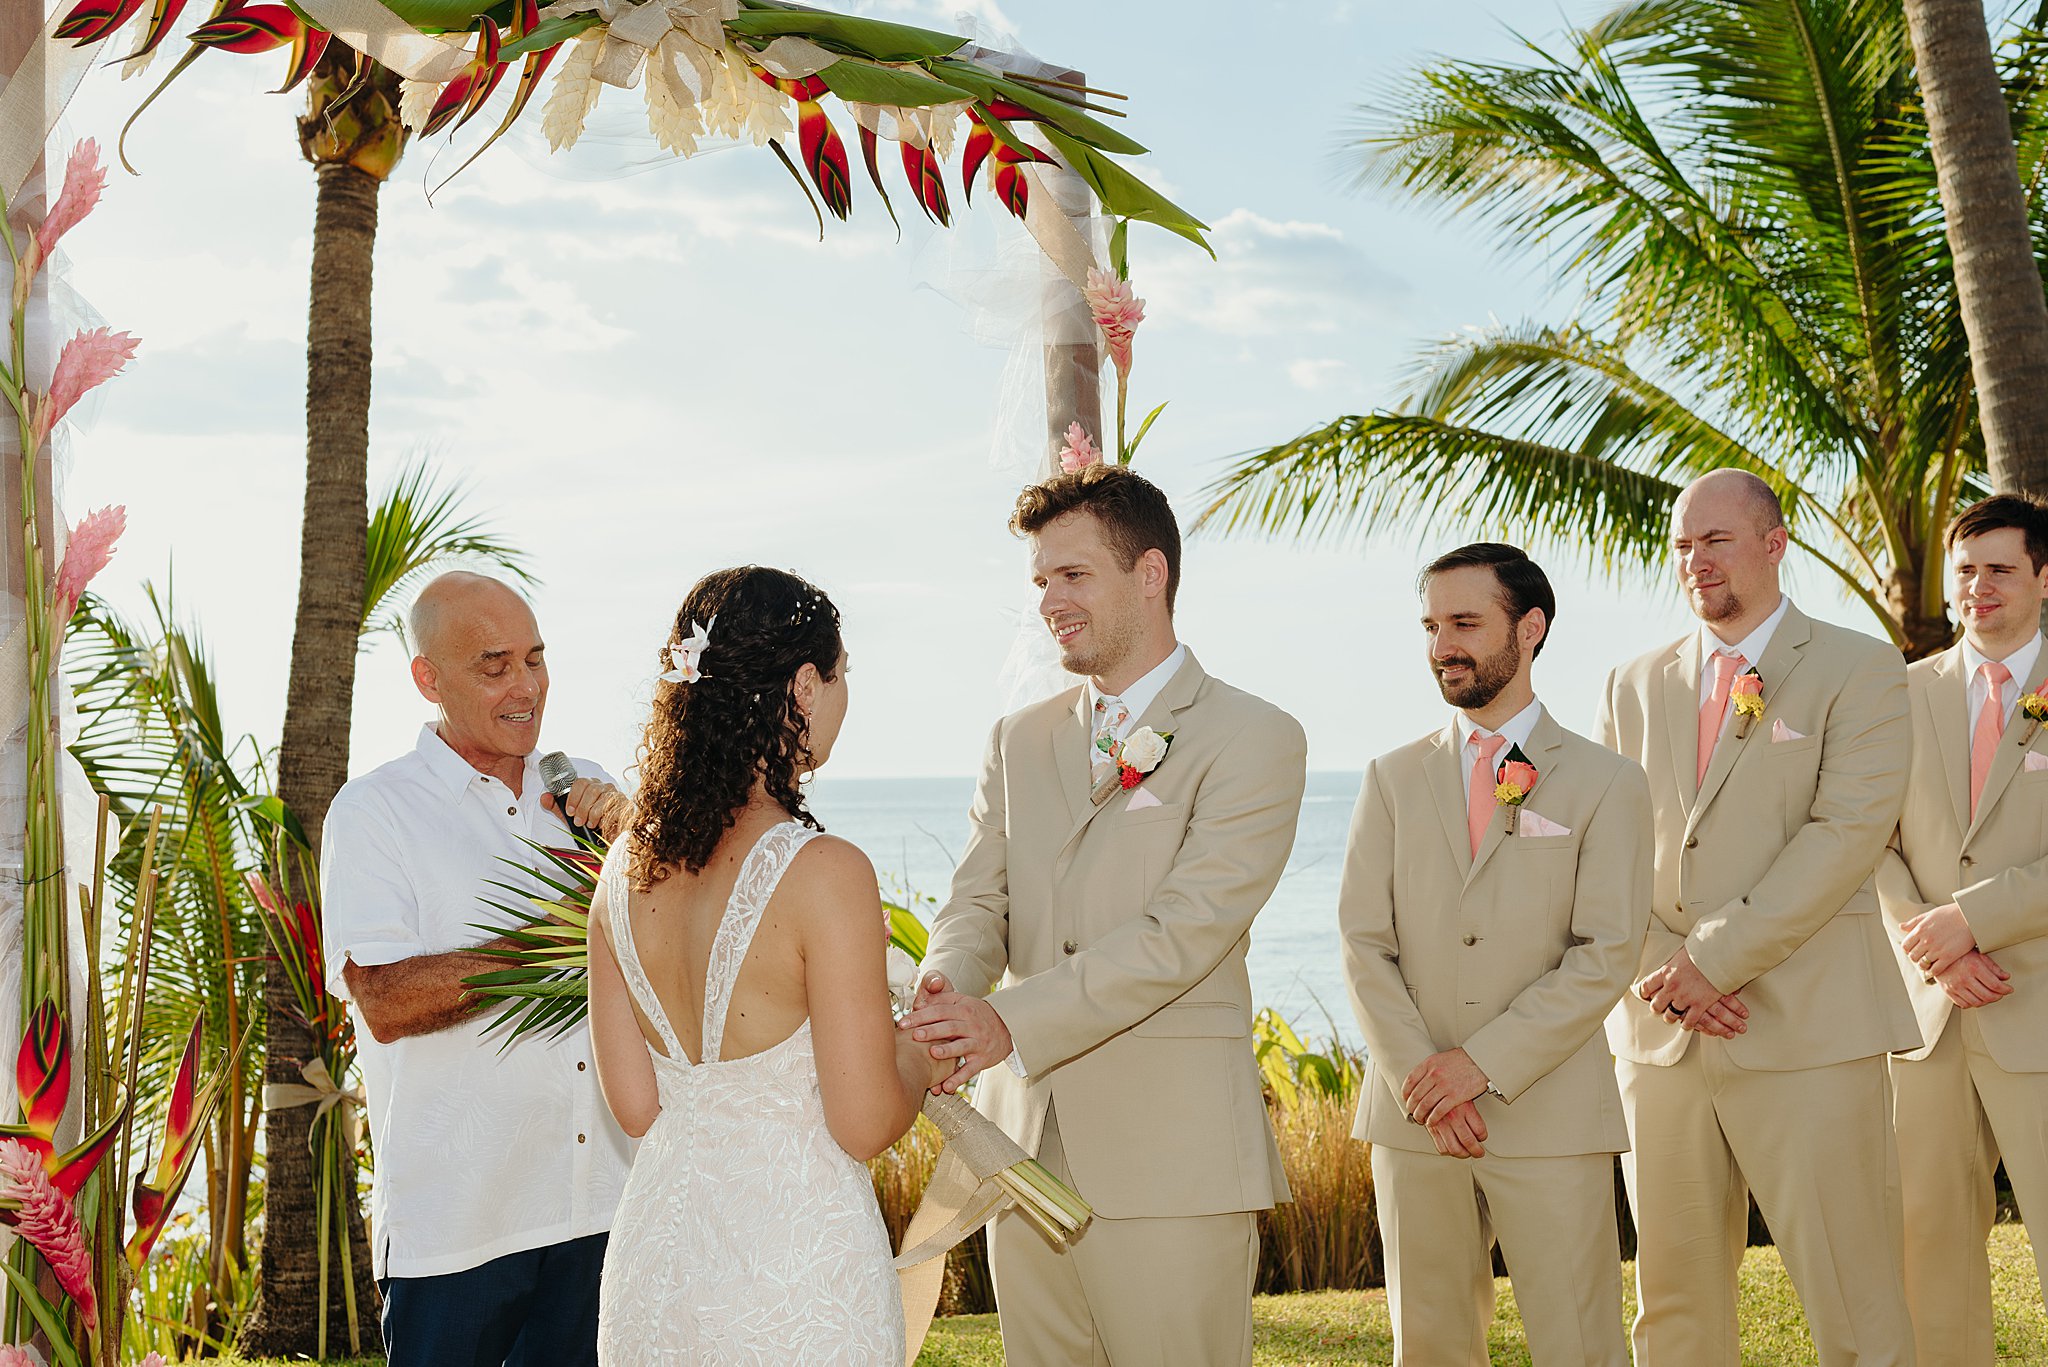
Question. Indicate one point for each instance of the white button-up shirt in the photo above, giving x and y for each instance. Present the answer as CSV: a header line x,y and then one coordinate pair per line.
x,y
481,1151
1516,730
1751,647
2021,665
1139,695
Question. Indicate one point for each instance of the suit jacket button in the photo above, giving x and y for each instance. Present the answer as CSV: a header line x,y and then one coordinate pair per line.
x,y
1692,842
1966,861
1471,939
1070,947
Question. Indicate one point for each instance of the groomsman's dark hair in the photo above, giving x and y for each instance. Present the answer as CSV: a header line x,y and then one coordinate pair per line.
x,y
1524,587
2029,516
1135,516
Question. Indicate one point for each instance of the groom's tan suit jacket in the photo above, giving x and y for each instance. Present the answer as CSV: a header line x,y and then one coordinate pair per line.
x,y
1994,867
1516,955
1765,870
1114,937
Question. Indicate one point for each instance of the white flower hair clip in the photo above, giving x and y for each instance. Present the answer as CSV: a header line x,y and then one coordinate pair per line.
x,y
688,651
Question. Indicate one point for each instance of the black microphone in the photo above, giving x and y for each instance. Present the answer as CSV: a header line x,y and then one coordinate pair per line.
x,y
559,774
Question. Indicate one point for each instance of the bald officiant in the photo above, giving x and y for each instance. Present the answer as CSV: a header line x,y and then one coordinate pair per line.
x,y
498,1168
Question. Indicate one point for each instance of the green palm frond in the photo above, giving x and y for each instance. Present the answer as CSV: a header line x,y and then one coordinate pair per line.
x,y
418,528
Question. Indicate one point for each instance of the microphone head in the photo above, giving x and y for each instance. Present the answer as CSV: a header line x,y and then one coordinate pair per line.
x,y
557,772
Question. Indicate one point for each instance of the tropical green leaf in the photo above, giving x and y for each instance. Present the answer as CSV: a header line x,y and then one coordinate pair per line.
x,y
419,528
547,34
876,39
988,85
1124,195
851,78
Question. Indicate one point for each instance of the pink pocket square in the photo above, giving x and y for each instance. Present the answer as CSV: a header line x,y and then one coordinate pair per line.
x,y
2034,763
1532,824
1141,798
1781,732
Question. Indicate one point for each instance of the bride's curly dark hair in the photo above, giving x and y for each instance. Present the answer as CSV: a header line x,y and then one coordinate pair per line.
x,y
708,741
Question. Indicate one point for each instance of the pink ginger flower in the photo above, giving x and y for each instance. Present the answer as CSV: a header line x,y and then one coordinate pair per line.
x,y
42,1215
88,361
1117,311
1079,451
90,548
153,1360
12,1355
84,179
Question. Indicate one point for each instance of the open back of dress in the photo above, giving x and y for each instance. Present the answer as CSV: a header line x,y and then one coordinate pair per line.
x,y
746,1234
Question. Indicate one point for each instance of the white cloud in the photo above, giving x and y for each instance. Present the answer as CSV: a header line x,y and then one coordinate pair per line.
x,y
1272,278
1318,373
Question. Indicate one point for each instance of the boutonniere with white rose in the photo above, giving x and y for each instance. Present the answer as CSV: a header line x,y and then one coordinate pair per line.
x,y
1747,693
1135,756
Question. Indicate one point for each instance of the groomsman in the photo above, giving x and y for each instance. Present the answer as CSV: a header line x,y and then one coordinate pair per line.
x,y
1965,889
1752,1052
1487,932
1124,834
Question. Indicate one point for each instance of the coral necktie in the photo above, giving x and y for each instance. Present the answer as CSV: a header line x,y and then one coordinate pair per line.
x,y
1715,708
1990,727
1480,803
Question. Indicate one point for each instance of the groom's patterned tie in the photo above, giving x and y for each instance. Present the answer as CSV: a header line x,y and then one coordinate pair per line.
x,y
1110,718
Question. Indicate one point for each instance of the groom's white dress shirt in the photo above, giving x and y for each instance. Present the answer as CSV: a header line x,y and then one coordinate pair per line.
x,y
481,1151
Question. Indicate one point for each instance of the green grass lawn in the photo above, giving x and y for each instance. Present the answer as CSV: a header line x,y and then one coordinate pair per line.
x,y
1337,1327
1351,1326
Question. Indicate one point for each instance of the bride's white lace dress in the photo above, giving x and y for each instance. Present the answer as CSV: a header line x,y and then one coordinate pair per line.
x,y
746,1234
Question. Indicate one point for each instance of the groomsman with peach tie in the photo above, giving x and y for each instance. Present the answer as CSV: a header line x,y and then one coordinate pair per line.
x,y
1965,888
1752,1053
1488,930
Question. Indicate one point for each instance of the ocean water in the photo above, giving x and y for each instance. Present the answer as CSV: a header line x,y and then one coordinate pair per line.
x,y
915,828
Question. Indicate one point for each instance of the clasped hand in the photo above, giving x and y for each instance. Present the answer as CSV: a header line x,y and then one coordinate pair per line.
x,y
1937,938
1681,994
959,1027
1439,1094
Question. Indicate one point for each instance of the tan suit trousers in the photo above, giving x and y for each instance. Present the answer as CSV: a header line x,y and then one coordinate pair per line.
x,y
1554,1220
1958,1114
1171,1291
1814,1145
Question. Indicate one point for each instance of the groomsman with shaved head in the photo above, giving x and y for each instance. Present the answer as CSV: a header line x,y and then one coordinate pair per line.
x,y
1752,1052
1965,890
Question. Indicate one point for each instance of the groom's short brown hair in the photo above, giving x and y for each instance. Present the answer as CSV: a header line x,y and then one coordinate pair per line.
x,y
1134,514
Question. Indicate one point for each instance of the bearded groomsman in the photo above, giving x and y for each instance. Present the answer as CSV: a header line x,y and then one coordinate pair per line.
x,y
1752,1052
1488,931
1965,889
1124,834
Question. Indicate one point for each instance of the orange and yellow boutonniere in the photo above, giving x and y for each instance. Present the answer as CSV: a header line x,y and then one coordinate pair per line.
x,y
2034,707
1747,693
1512,782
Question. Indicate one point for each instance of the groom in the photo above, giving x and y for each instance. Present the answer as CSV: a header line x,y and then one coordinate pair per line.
x,y
1125,833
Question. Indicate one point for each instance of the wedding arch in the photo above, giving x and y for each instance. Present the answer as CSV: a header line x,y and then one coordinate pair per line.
x,y
1039,138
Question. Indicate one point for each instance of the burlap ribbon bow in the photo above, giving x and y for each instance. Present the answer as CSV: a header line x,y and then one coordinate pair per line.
x,y
319,1090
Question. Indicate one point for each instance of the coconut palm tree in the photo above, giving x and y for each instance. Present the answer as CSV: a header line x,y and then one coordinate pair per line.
x,y
2004,309
1739,195
352,135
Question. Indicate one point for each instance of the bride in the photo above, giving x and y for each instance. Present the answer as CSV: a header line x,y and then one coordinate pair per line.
x,y
740,1010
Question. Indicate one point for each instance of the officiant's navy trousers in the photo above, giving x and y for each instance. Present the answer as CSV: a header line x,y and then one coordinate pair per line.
x,y
537,1308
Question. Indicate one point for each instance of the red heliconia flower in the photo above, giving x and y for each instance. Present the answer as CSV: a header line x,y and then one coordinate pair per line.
x,y
92,20
160,20
1022,152
799,88
448,103
980,142
589,861
153,1198
824,157
42,1071
307,48
1012,189
1012,113
921,165
252,28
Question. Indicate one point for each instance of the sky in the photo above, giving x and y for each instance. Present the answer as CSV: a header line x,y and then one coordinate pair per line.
x,y
643,369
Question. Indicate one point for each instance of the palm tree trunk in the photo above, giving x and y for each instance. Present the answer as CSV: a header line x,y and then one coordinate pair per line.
x,y
1924,634
1998,279
313,760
